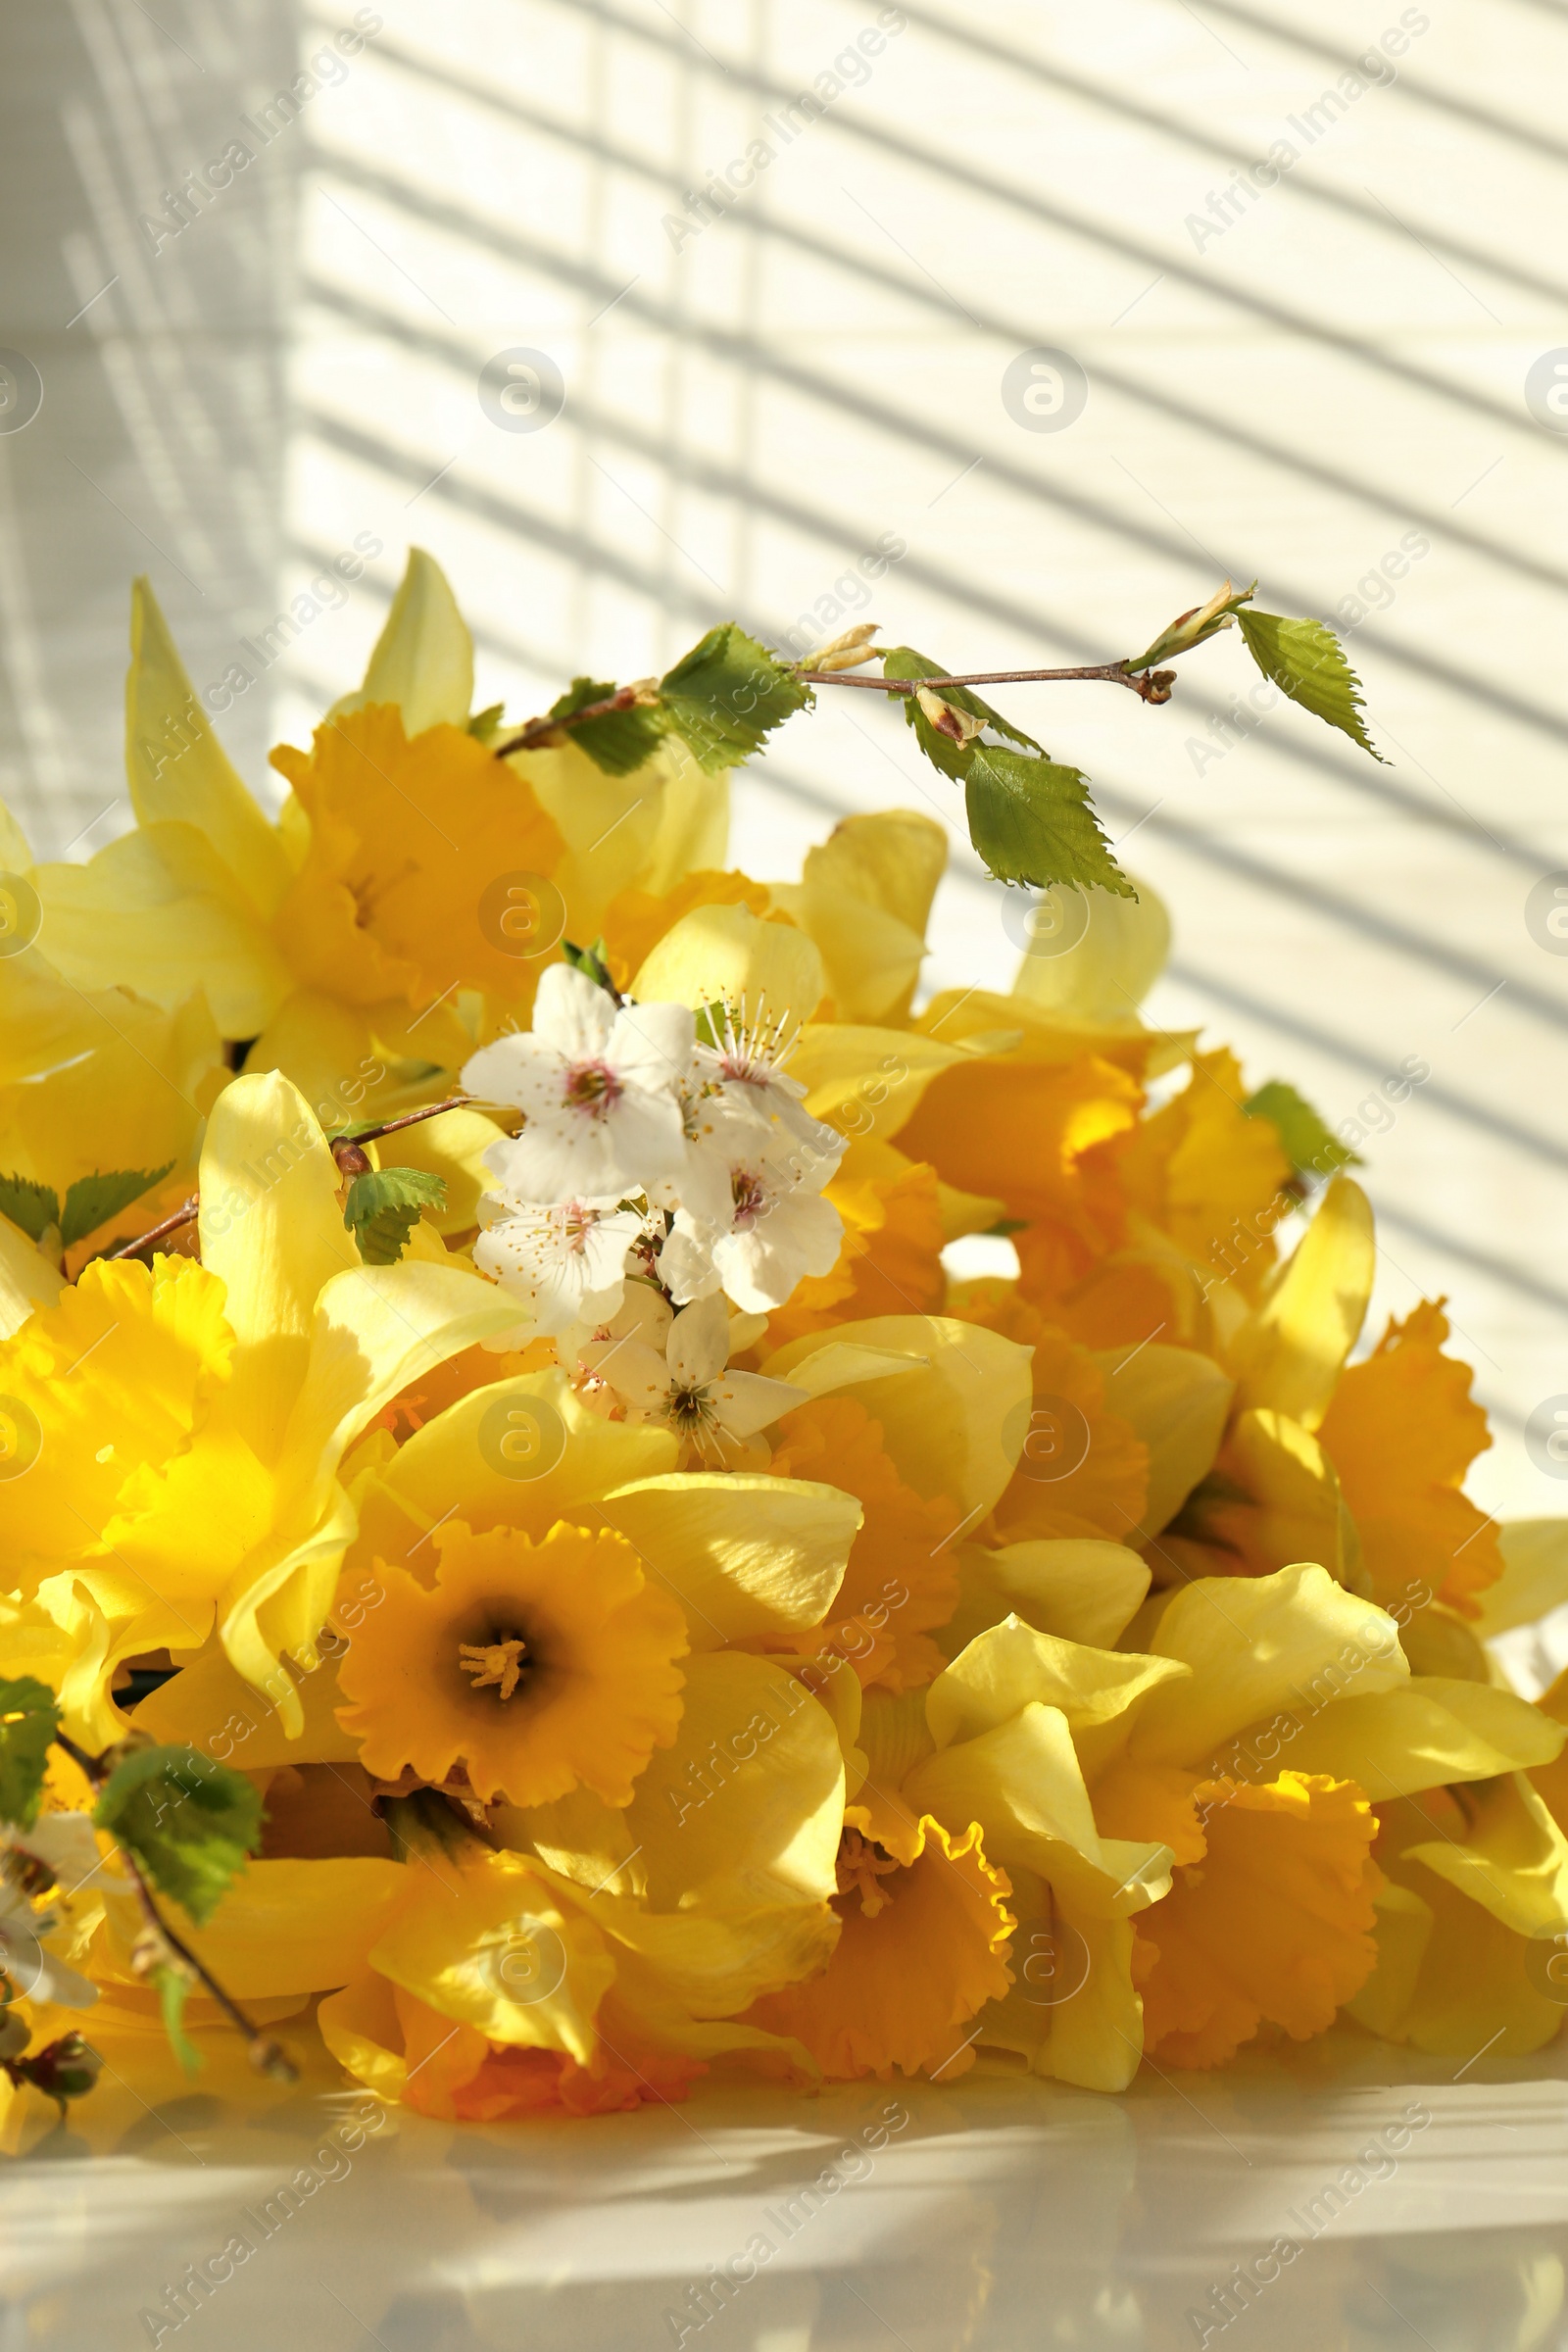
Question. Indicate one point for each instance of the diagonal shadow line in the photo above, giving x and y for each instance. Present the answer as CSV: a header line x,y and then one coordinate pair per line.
x,y
1233,431
1462,1107
967,869
1481,1261
957,173
1210,144
1364,921
746,353
1360,777
544,530
1465,110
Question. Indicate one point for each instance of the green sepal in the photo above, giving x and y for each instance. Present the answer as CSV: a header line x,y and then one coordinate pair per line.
x,y
382,1207
485,725
1306,662
618,741
725,695
1195,628
1309,1144
593,962
30,1717
32,1206
189,1820
172,1988
93,1199
901,661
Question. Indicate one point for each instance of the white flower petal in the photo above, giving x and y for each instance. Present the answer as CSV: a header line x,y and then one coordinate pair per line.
x,y
697,1346
574,1013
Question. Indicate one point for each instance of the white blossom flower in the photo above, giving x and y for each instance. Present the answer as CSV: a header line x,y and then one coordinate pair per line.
x,y
748,1065
61,1848
775,1230
689,1385
597,1083
568,1259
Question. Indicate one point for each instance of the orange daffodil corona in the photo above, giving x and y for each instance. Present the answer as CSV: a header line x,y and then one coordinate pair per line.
x,y
671,1621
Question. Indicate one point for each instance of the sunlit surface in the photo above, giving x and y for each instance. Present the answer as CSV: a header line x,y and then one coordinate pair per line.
x,y
1355,2197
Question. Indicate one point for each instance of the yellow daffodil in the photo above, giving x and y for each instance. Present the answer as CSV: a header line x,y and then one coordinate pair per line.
x,y
540,1668
411,866
922,1947
190,1419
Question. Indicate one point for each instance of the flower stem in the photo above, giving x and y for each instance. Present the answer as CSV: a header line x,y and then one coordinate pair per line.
x,y
181,1216
268,2057
1151,686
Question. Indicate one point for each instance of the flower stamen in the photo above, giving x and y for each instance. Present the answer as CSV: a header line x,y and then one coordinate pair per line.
x,y
498,1664
861,1864
592,1087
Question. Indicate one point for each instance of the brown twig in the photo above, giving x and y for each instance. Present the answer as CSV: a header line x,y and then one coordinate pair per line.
x,y
267,2055
409,1118
1151,686
366,1135
181,1216
539,731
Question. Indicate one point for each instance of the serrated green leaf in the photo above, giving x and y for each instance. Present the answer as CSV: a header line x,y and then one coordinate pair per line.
x,y
1306,662
618,741
727,695
1310,1146
189,1820
92,1198
172,1988
32,1206
1033,821
901,661
382,1207
29,1720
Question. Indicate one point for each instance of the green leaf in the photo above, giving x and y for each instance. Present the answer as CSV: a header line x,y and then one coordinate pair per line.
x,y
485,725
382,1209
92,1198
189,1820
29,1720
727,695
1033,821
172,1987
1304,660
32,1206
900,662
618,741
1311,1147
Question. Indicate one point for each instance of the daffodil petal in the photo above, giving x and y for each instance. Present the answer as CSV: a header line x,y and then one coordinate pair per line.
x,y
1176,1401
424,658
726,953
1290,1352
743,1555
954,1425
1424,1734
1259,1644
194,784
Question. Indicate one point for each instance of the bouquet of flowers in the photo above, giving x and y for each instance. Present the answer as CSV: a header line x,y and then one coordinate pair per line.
x,y
528,1578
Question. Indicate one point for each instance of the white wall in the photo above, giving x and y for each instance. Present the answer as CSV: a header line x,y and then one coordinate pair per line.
x,y
748,410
